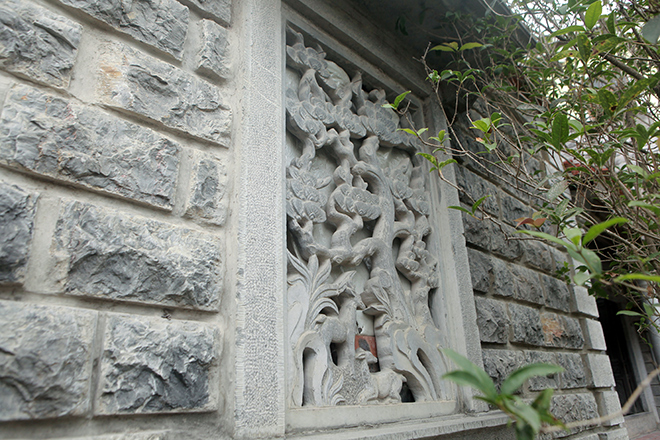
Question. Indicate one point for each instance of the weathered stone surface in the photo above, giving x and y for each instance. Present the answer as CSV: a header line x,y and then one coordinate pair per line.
x,y
213,55
16,223
37,43
557,294
493,321
45,361
113,256
526,323
573,407
159,23
138,83
500,363
475,187
152,365
510,249
207,202
503,279
595,339
513,208
560,259
123,436
574,375
561,331
600,370
480,269
220,9
476,232
527,286
583,302
539,383
608,403
617,434
67,141
537,255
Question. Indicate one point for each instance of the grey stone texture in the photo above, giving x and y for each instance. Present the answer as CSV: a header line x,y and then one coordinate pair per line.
x,y
493,320
573,407
219,9
17,209
124,436
513,209
475,187
600,370
45,361
561,331
213,55
64,140
526,324
207,201
132,81
160,23
557,295
608,403
504,283
593,334
481,269
541,382
118,257
500,363
617,434
537,255
527,286
583,302
574,375
37,43
152,365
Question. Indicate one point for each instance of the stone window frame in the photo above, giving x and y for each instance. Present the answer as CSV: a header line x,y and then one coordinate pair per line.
x,y
260,407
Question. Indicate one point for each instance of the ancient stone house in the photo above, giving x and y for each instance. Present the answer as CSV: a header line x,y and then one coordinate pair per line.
x,y
210,228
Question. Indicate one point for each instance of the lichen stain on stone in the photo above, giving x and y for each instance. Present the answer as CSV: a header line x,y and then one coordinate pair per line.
x,y
552,329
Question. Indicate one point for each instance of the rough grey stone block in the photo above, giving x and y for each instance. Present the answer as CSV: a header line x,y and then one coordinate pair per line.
x,y
16,223
493,321
477,187
574,375
45,361
557,294
600,370
510,249
207,202
500,363
220,9
213,55
159,23
67,141
537,255
513,209
37,43
573,407
608,403
526,323
595,339
617,434
560,259
123,436
476,232
561,331
541,382
480,269
503,280
527,286
154,365
128,258
583,302
141,84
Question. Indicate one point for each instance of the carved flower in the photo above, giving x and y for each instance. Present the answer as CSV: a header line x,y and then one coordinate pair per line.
x,y
303,198
352,200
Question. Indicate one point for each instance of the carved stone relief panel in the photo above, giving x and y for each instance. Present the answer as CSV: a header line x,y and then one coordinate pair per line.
x,y
359,326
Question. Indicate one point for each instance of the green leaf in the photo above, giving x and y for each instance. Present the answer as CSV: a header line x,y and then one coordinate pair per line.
x,y
608,101
484,383
611,23
431,158
482,124
559,130
638,170
566,30
479,202
584,47
407,130
573,234
445,47
640,86
581,277
593,14
400,98
637,276
518,377
598,229
443,164
592,261
653,208
468,46
557,189
651,29
460,208
628,313
545,236
543,400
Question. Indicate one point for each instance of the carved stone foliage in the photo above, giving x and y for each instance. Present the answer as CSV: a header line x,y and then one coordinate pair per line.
x,y
358,231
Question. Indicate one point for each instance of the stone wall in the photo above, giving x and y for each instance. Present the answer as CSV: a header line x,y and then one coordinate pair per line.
x,y
143,264
116,155
527,310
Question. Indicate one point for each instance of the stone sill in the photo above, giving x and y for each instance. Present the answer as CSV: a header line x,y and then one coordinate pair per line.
x,y
413,429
